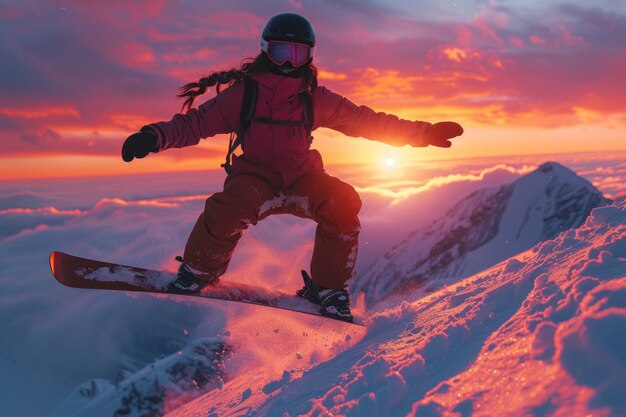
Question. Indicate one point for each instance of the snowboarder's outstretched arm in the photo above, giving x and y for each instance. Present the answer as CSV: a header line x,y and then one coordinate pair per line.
x,y
338,113
209,119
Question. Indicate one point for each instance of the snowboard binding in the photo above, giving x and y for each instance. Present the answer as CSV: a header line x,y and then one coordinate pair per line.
x,y
186,282
335,303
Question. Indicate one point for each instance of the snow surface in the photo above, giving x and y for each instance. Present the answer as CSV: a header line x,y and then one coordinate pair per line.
x,y
158,279
541,333
166,384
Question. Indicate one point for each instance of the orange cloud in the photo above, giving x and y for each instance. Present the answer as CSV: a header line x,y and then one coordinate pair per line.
x,y
455,54
373,84
329,75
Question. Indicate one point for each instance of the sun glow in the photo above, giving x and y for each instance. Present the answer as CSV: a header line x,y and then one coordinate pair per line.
x,y
390,162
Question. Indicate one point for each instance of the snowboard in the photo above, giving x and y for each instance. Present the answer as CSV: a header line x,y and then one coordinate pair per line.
x,y
76,272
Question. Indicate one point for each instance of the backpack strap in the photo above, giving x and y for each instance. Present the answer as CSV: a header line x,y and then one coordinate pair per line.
x,y
307,101
248,107
250,94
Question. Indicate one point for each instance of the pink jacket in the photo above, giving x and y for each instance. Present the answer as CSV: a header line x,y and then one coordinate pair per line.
x,y
281,154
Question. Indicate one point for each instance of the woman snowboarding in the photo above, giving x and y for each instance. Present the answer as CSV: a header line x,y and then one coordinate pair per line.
x,y
270,107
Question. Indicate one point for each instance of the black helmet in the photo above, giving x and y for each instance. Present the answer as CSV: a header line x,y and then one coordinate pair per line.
x,y
289,27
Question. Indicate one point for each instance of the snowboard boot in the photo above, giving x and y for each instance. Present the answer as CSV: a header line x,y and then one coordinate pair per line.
x,y
334,303
186,282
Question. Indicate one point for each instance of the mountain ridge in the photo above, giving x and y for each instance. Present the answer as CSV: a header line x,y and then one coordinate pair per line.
x,y
486,227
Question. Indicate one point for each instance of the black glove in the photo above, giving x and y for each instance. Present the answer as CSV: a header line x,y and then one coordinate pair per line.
x,y
439,134
139,144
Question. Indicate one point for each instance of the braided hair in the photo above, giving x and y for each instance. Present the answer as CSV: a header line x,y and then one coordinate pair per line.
x,y
249,67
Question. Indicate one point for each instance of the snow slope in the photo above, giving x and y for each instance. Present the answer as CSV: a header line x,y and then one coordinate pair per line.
x,y
165,384
528,319
540,334
486,227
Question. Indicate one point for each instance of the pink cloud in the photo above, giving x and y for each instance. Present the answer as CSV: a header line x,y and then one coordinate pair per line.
x,y
564,37
537,40
39,112
485,29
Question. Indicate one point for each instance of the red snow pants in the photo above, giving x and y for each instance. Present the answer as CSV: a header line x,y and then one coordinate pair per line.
x,y
330,202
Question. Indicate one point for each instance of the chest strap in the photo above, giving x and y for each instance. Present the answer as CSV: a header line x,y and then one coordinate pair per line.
x,y
248,107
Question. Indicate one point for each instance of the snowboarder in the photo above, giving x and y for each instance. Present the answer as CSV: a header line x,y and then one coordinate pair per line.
x,y
272,103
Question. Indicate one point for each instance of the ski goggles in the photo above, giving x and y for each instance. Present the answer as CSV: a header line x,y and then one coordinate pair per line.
x,y
280,52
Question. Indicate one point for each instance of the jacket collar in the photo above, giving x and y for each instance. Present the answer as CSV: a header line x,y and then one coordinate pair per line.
x,y
280,82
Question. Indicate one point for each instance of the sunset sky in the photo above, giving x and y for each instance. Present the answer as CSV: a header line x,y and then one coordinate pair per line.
x,y
522,77
529,80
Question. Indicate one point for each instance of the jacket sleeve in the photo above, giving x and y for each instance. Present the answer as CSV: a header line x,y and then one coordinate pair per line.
x,y
217,115
336,112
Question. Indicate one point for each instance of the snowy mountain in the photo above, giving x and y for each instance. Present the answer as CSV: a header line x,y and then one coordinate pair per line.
x,y
539,334
543,329
486,227
542,333
156,389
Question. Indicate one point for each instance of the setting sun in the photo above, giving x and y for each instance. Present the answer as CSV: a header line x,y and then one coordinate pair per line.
x,y
390,162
